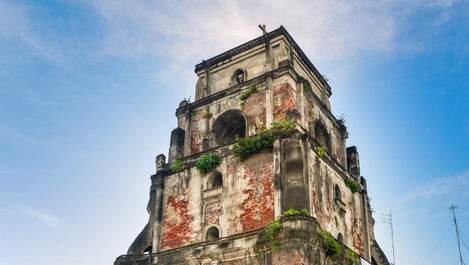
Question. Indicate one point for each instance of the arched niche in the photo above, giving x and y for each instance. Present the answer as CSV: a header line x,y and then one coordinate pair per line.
x,y
322,137
239,76
340,238
212,234
337,192
228,126
214,180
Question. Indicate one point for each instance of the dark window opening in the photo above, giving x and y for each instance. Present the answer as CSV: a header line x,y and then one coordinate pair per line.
x,y
228,126
340,238
148,249
238,76
215,180
212,234
322,137
337,192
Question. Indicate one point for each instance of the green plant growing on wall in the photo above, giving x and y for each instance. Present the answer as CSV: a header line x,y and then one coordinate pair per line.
x,y
275,244
333,247
285,125
353,256
246,94
251,90
272,229
208,114
341,119
247,146
353,185
178,165
208,163
306,85
320,151
291,212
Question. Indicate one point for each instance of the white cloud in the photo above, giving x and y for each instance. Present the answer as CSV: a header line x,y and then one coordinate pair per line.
x,y
16,24
187,29
45,218
453,187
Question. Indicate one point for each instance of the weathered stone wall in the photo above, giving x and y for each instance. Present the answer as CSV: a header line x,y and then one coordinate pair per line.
x,y
244,202
336,215
203,117
313,114
298,242
221,78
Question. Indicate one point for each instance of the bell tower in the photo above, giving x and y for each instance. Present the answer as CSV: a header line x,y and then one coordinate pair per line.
x,y
258,171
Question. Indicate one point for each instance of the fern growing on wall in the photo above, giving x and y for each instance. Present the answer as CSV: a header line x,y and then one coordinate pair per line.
x,y
247,146
208,163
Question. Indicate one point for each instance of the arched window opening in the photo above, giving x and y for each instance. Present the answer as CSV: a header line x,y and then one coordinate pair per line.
x,y
337,192
340,238
238,76
228,126
215,180
212,234
322,137
148,249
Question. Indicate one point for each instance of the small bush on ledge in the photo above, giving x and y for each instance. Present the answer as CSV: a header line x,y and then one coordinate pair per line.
x,y
251,90
291,212
284,125
320,151
272,229
208,163
245,147
178,165
333,247
353,185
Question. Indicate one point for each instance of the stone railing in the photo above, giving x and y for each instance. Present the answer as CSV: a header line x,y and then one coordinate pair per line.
x,y
212,192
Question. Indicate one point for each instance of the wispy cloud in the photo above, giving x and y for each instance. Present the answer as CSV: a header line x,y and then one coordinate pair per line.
x,y
44,218
185,32
200,29
182,33
454,187
16,24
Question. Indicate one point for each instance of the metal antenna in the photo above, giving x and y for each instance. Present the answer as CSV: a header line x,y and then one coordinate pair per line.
x,y
452,208
388,220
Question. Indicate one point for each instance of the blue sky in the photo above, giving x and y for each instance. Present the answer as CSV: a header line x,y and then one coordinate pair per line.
x,y
89,89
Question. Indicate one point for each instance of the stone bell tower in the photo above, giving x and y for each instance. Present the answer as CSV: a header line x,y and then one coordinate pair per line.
x,y
258,171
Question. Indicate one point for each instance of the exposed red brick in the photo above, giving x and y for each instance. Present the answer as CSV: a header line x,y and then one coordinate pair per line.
x,y
358,243
255,109
258,203
176,228
212,213
284,100
195,144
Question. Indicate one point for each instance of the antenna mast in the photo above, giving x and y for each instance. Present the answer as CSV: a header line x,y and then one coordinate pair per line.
x,y
388,220
452,208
